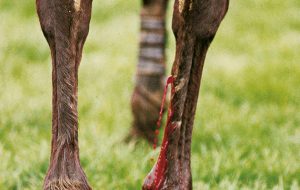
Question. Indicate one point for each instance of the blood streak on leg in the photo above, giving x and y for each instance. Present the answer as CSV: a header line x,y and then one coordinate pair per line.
x,y
170,80
156,177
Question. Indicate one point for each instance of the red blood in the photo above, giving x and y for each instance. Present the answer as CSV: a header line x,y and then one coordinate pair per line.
x,y
154,146
170,80
156,177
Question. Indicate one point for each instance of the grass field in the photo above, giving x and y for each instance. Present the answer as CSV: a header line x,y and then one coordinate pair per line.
x,y
247,128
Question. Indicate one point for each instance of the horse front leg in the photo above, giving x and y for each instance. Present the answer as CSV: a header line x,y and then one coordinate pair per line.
x,y
148,91
195,23
65,24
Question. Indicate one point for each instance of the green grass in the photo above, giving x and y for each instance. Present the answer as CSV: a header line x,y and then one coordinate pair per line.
x,y
247,128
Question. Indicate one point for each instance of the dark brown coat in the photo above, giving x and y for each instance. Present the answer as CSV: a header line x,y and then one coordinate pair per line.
x,y
65,24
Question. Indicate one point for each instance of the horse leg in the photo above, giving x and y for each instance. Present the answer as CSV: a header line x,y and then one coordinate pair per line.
x,y
65,24
146,98
195,23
